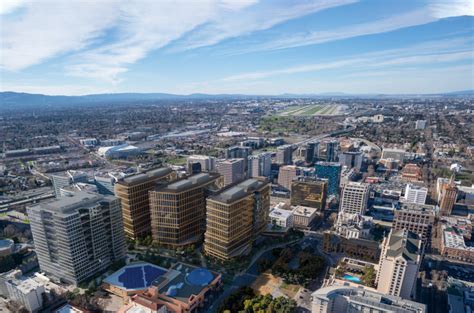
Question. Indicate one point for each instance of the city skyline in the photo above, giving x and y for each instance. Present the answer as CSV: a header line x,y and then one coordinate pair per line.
x,y
245,47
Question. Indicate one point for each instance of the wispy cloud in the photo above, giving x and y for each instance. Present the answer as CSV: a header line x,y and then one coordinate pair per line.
x,y
81,29
416,55
408,19
47,29
255,18
449,8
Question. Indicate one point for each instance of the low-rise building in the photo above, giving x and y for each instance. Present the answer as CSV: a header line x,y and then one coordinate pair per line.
x,y
453,245
337,299
303,216
184,288
282,218
26,291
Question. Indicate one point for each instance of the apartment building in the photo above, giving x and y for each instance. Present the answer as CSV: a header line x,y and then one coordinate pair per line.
x,y
77,236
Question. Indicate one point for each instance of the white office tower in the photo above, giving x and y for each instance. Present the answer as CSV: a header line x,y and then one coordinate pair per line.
x,y
354,198
64,179
345,299
260,165
399,263
415,194
77,236
201,163
232,170
284,155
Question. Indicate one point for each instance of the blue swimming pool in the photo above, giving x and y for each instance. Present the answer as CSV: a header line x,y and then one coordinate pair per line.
x,y
352,278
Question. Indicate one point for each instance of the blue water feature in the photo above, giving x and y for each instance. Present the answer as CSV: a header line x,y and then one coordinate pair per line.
x,y
199,277
352,278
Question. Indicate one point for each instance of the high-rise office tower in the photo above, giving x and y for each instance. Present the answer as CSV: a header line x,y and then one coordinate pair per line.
x,y
287,174
311,152
232,170
449,193
64,179
133,193
332,172
354,198
178,209
351,159
399,263
415,194
260,165
309,193
417,218
201,163
78,235
235,217
332,148
284,155
239,152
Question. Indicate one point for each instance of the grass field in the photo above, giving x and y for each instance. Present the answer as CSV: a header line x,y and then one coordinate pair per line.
x,y
313,110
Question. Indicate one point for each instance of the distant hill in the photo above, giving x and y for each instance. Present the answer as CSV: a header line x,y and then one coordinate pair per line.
x,y
19,100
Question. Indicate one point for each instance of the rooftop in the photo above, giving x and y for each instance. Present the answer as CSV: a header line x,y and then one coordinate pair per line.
x,y
239,191
303,210
70,203
142,177
183,280
405,244
193,181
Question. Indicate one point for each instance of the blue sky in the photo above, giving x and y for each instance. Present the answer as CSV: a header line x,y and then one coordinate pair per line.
x,y
244,46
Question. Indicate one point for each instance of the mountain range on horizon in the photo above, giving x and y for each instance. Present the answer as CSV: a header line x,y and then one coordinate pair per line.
x,y
9,99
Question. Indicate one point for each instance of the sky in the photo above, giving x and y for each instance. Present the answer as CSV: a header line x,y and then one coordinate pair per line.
x,y
78,47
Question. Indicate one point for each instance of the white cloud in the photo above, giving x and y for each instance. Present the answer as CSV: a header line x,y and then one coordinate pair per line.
x,y
101,39
47,29
409,19
7,6
445,8
256,18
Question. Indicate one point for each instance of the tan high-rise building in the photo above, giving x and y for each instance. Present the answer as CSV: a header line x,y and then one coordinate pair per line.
x,y
416,218
232,170
449,193
235,217
178,209
287,174
399,263
133,194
